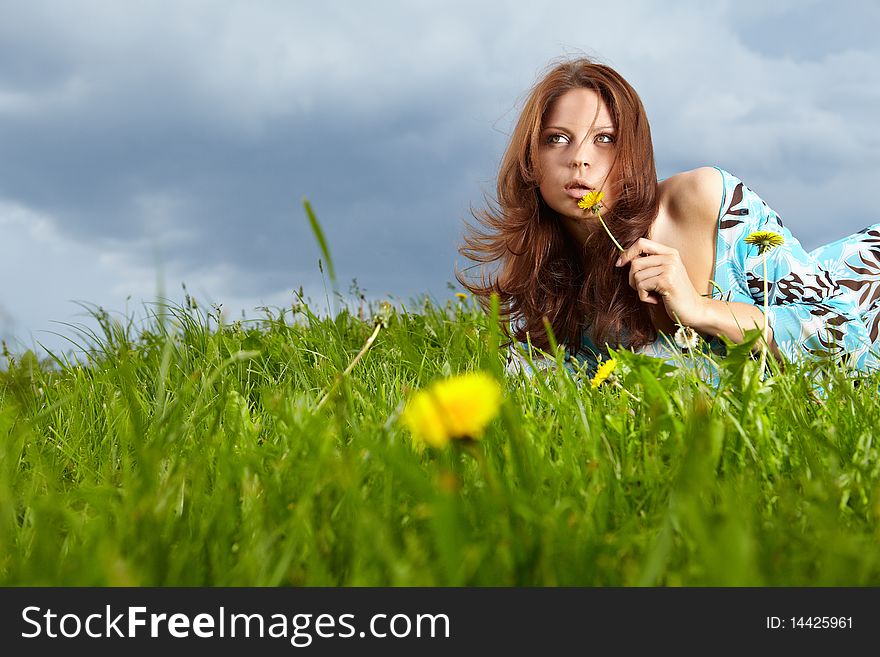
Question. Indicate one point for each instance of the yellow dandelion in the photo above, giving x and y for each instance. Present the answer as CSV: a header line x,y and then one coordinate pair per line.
x,y
461,295
591,201
453,408
765,240
604,371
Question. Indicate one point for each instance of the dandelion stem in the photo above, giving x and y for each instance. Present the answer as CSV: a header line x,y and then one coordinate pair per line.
x,y
367,345
616,243
631,396
764,333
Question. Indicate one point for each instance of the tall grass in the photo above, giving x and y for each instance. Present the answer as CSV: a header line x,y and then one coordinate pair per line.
x,y
183,451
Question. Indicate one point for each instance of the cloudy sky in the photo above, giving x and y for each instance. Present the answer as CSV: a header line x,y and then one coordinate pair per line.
x,y
148,144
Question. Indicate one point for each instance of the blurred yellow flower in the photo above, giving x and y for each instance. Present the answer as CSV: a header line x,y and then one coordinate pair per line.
x,y
591,201
461,295
765,240
604,371
457,407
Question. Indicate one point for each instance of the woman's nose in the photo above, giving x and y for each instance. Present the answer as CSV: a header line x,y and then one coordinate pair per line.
x,y
581,156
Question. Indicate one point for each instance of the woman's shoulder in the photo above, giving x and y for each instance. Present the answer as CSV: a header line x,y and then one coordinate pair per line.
x,y
700,176
695,195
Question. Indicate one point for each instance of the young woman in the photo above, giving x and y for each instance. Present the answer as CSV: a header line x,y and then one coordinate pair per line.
x,y
685,261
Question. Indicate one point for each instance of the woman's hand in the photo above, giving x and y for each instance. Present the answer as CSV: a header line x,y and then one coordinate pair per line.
x,y
657,273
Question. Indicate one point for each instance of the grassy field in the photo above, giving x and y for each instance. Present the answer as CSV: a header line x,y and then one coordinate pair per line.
x,y
186,452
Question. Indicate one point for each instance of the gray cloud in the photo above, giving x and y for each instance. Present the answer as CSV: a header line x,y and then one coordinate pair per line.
x,y
188,133
808,30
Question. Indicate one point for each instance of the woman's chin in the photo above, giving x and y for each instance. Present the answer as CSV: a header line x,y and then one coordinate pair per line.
x,y
586,218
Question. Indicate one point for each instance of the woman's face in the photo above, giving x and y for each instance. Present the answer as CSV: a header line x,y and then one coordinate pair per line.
x,y
577,149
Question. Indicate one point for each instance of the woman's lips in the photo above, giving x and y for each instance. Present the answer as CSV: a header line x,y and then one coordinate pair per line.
x,y
577,192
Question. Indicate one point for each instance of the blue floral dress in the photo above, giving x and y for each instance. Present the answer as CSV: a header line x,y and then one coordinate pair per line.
x,y
821,302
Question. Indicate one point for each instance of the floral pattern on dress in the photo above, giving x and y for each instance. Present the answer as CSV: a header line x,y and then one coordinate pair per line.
x,y
855,262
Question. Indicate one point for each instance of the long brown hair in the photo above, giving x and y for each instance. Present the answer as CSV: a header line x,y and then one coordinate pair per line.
x,y
543,272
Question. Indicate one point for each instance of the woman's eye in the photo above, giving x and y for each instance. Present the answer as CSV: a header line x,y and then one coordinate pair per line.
x,y
557,139
610,138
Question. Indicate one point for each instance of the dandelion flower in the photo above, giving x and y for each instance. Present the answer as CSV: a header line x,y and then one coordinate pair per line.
x,y
604,371
461,295
765,240
453,408
686,338
383,317
591,201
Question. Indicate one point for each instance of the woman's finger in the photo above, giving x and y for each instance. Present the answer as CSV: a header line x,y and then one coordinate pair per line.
x,y
643,245
645,262
647,281
645,274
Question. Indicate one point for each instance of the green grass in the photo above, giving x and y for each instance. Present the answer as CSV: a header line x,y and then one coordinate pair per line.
x,y
183,452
